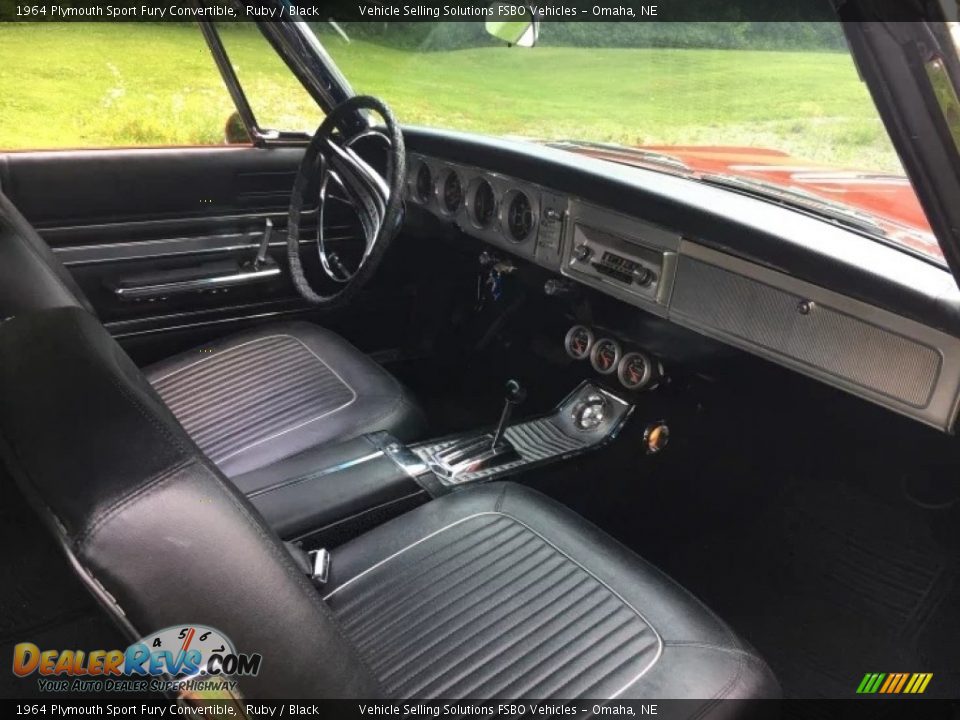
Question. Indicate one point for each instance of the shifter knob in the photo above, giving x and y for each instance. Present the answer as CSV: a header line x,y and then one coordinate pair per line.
x,y
516,393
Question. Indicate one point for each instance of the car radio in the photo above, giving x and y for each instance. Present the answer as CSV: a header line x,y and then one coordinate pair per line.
x,y
636,270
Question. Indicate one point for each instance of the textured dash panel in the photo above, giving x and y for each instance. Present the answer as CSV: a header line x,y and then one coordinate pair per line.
x,y
241,396
488,609
833,342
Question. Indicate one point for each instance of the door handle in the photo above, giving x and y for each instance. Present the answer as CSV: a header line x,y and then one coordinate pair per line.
x,y
201,278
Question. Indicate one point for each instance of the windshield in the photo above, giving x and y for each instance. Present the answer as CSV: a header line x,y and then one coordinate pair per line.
x,y
773,105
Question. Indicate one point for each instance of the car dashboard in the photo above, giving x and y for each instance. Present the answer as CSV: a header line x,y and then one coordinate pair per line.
x,y
708,284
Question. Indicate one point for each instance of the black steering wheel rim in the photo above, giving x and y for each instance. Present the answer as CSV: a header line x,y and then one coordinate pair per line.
x,y
378,200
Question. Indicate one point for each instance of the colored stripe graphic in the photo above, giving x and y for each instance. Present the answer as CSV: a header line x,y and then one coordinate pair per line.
x,y
894,683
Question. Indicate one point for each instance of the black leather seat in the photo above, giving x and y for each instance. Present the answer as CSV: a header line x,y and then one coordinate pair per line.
x,y
253,399
493,591
499,592
248,400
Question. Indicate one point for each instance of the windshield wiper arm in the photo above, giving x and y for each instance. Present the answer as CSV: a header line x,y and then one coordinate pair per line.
x,y
799,199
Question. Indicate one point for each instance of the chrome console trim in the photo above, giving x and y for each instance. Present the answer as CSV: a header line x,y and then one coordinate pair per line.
x,y
545,439
401,455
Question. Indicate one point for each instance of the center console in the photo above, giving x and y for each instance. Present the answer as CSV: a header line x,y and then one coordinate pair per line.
x,y
335,492
586,419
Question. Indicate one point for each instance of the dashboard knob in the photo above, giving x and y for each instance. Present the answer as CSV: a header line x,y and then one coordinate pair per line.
x,y
582,253
556,288
643,276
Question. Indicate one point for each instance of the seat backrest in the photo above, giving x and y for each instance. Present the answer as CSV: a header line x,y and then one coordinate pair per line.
x,y
31,277
151,526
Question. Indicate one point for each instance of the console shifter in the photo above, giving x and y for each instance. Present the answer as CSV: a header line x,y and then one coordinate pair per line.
x,y
476,453
516,394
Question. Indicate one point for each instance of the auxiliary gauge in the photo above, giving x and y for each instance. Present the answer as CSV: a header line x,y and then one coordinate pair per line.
x,y
605,356
578,342
635,371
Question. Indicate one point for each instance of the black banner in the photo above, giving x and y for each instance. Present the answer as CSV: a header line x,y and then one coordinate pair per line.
x,y
892,709
433,11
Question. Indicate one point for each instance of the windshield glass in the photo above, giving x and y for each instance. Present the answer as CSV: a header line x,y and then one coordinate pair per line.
x,y
777,104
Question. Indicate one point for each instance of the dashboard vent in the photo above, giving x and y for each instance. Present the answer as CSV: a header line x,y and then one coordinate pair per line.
x,y
452,192
519,217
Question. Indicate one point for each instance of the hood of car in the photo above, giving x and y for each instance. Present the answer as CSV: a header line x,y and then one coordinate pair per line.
x,y
888,199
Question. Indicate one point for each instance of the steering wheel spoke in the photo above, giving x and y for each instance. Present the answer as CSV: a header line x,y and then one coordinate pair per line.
x,y
364,186
332,161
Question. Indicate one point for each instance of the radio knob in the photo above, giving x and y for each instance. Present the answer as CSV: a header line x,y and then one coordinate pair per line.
x,y
582,253
643,276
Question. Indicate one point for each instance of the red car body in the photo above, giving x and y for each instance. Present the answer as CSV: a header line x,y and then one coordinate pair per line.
x,y
888,199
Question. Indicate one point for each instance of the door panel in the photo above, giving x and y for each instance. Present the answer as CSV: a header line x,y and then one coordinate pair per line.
x,y
122,218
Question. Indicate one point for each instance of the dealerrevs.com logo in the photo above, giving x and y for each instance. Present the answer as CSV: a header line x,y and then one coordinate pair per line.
x,y
185,657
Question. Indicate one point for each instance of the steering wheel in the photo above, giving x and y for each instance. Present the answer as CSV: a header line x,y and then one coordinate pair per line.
x,y
330,161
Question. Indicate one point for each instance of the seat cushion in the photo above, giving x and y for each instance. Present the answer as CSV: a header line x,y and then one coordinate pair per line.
x,y
497,591
252,399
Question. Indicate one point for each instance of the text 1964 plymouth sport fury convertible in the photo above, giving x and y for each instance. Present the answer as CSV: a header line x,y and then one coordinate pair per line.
x,y
496,385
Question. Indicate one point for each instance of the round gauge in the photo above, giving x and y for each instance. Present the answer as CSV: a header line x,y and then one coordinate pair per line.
x,y
578,342
423,183
195,643
635,371
452,195
484,204
605,356
519,219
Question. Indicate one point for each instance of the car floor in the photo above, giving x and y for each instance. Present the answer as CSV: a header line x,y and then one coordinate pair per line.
x,y
787,512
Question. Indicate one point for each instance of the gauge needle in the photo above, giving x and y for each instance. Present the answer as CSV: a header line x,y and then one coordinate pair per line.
x,y
187,640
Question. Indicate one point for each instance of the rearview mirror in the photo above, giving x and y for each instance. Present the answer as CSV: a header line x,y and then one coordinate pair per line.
x,y
513,23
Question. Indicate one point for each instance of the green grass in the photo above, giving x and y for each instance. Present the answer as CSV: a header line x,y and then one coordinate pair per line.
x,y
136,84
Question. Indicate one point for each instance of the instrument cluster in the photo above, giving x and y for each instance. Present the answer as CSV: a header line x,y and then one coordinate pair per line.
x,y
517,216
635,369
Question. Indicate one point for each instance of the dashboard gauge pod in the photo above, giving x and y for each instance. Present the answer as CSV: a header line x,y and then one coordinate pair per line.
x,y
450,192
639,371
481,203
422,183
579,342
605,356
517,217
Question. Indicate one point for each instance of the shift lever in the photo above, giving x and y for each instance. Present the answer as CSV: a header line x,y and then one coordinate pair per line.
x,y
516,394
475,453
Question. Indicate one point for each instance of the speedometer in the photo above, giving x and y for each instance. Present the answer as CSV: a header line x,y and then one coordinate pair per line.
x,y
605,356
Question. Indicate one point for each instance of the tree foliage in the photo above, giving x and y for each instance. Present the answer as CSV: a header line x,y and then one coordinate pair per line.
x,y
428,36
